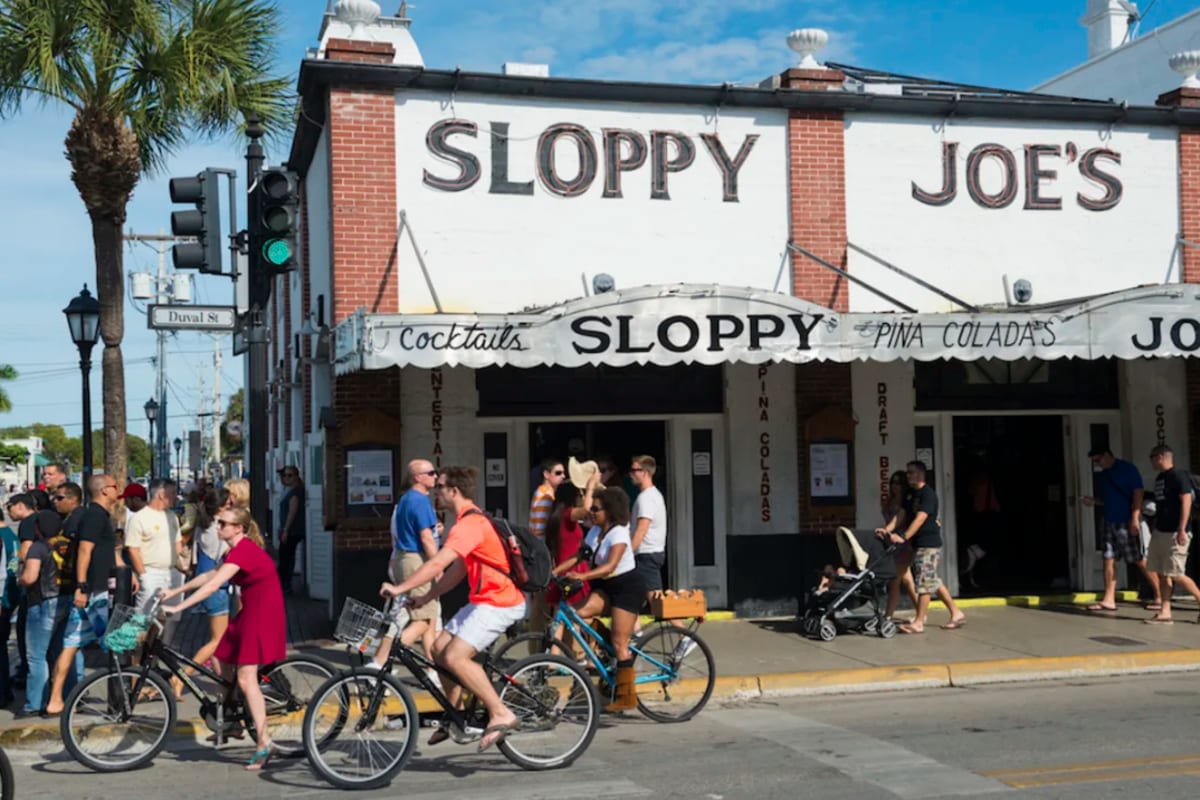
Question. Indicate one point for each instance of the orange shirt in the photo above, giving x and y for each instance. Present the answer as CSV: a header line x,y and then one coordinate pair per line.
x,y
486,559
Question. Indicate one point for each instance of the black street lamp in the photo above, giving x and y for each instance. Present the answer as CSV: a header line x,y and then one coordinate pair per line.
x,y
83,317
178,459
151,408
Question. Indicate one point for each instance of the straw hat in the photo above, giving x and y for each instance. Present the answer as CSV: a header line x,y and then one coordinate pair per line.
x,y
581,473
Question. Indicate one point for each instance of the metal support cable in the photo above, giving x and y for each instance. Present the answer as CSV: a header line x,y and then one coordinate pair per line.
x,y
918,281
838,270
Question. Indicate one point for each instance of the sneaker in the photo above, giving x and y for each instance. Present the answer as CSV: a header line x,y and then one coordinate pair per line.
x,y
371,666
684,648
396,723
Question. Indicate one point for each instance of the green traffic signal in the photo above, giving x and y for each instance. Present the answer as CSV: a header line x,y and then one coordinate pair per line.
x,y
277,252
279,205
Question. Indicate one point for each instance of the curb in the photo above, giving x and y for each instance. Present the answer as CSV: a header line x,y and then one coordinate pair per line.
x,y
826,682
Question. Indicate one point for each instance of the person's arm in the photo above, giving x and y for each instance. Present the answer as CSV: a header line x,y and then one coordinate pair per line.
x,y
1185,513
192,585
917,522
135,559
579,513
23,549
566,565
215,580
1135,513
450,578
429,543
427,573
29,575
83,559
605,569
639,533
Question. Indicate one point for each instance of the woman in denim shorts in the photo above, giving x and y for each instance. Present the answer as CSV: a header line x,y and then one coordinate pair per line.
x,y
207,551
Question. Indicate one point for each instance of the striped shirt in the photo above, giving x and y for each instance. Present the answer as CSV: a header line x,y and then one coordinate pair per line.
x,y
539,509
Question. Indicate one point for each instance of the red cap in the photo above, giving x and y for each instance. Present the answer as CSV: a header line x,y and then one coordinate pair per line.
x,y
134,490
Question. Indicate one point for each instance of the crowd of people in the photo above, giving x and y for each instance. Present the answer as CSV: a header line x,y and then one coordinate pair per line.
x,y
62,548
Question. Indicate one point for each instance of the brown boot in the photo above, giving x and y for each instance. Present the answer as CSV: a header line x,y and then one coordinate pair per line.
x,y
626,696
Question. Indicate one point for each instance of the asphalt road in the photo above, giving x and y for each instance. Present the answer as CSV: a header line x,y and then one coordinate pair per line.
x,y
1131,737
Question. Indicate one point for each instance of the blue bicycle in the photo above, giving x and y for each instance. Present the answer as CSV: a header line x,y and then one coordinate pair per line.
x,y
675,667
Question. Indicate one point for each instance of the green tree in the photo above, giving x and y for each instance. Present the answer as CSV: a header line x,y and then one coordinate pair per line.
x,y
234,412
7,373
138,453
139,75
12,454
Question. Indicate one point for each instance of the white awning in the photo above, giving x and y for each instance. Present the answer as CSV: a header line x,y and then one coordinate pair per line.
x,y
707,324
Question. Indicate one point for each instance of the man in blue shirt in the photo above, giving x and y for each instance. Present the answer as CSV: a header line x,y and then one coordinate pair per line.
x,y
415,532
1120,488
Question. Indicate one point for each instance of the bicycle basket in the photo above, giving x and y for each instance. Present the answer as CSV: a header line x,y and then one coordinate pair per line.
x,y
125,629
359,626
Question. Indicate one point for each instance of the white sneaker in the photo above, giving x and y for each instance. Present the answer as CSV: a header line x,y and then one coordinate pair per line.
x,y
684,648
371,666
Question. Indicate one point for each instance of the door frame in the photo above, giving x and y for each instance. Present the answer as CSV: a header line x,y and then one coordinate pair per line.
x,y
677,430
1087,565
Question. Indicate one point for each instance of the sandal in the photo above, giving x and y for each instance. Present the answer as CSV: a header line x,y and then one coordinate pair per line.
x,y
1155,606
955,624
439,736
1159,621
261,757
909,629
1102,607
498,734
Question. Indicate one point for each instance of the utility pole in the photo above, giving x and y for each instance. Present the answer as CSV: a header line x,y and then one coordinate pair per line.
x,y
216,405
201,423
256,333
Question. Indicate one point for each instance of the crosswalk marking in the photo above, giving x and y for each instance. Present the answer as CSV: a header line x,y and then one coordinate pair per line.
x,y
895,769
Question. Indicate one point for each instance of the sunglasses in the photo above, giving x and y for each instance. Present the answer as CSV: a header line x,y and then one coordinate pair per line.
x,y
558,473
636,469
59,497
442,486
431,473
597,509
225,523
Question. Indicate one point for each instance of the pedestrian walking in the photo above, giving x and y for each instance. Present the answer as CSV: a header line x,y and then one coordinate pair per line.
x,y
258,635
292,527
40,577
151,539
893,507
414,543
923,531
494,603
1120,498
649,537
1171,537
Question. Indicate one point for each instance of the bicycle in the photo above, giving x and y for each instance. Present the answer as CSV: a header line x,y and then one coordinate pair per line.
x,y
8,787
119,719
361,727
675,668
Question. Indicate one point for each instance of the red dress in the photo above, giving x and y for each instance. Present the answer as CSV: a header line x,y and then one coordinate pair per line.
x,y
570,536
258,633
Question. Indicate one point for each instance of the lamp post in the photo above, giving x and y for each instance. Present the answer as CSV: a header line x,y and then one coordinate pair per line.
x,y
178,459
151,408
83,318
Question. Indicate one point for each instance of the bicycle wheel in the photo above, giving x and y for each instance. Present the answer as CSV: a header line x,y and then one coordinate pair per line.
x,y
360,729
8,788
102,736
287,687
556,708
675,673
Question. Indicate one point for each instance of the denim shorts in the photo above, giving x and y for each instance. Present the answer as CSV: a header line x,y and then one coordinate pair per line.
x,y
216,604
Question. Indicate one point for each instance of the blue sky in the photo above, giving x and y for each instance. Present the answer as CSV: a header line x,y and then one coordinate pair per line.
x,y
47,242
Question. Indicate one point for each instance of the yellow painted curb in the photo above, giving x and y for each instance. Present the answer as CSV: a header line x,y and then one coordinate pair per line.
x,y
825,681
1022,669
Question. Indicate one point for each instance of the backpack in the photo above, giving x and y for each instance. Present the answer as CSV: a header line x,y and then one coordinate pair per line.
x,y
529,562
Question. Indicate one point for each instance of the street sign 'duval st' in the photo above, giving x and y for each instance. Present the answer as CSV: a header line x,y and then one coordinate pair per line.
x,y
193,318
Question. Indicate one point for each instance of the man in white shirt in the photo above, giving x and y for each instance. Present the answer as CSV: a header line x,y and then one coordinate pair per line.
x,y
649,523
151,539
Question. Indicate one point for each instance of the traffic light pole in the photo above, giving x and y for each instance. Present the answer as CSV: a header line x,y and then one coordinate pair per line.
x,y
257,337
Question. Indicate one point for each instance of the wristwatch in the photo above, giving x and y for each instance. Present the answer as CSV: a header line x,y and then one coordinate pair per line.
x,y
83,587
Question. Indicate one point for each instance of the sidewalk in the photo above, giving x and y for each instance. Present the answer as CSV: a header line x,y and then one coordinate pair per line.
x,y
1013,639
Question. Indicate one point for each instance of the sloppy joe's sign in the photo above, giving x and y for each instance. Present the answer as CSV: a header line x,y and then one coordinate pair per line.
x,y
715,325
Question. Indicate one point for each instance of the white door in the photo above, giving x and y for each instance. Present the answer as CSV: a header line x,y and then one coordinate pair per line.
x,y
318,547
1086,430
697,506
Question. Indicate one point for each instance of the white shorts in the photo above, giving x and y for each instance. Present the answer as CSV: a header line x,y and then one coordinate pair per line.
x,y
479,625
153,579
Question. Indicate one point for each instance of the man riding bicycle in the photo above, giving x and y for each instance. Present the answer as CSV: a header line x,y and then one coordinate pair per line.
x,y
474,550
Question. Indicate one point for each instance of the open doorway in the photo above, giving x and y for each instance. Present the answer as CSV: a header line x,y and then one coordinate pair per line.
x,y
1009,476
617,439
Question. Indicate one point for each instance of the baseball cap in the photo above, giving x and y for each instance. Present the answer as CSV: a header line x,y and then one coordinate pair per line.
x,y
134,490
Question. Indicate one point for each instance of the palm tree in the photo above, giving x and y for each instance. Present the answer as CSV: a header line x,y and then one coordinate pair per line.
x,y
140,75
7,373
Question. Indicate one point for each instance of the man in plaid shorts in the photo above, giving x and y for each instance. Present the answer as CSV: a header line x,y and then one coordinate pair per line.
x,y
1119,495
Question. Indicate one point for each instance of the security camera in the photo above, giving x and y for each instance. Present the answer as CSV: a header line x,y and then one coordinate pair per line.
x,y
1023,291
602,283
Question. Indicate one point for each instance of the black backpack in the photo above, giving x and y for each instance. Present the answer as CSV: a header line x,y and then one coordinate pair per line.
x,y
529,561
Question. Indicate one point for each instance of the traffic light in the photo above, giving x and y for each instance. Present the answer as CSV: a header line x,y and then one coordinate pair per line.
x,y
278,204
204,222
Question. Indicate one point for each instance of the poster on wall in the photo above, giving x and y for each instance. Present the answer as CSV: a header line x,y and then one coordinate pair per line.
x,y
369,477
829,465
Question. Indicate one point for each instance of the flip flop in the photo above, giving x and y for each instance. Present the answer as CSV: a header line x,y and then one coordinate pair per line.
x,y
1159,621
498,733
439,736
955,624
1153,606
1100,607
911,630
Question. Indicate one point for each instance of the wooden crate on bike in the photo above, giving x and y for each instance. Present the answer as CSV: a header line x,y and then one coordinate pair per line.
x,y
672,604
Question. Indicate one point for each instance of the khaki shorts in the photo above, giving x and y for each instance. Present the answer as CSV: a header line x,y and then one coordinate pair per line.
x,y
1166,557
407,564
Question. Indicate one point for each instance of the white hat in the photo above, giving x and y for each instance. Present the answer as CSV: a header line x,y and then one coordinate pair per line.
x,y
581,472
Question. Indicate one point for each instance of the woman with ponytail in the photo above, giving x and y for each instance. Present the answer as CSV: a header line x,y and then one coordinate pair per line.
x,y
258,634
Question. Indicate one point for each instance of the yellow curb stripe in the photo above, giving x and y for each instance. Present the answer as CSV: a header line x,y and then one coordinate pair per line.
x,y
1092,766
1014,669
818,680
1103,776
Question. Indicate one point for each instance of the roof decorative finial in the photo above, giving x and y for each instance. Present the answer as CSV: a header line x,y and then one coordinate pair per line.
x,y
806,42
358,14
1187,64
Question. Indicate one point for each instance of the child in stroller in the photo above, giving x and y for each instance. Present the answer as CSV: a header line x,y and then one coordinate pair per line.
x,y
852,598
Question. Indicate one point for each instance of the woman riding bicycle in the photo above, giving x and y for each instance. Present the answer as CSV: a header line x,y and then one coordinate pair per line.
x,y
258,634
616,585
208,550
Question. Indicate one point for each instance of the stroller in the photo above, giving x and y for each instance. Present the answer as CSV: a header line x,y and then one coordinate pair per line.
x,y
856,600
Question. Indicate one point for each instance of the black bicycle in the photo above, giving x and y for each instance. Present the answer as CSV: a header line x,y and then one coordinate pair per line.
x,y
361,727
8,783
119,719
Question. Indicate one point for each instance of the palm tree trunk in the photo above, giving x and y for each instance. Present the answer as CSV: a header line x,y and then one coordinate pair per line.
x,y
108,241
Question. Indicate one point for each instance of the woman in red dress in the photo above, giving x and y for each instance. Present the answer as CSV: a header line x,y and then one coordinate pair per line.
x,y
564,534
258,634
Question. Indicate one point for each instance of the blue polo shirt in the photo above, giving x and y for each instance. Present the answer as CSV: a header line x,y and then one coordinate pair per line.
x,y
1116,486
413,514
